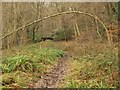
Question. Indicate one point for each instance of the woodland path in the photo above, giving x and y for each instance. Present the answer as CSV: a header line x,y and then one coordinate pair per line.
x,y
57,74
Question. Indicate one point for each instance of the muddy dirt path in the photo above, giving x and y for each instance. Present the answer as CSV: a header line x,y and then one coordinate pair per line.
x,y
55,76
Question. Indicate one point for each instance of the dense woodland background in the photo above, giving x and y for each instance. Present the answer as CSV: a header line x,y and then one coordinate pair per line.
x,y
19,14
45,47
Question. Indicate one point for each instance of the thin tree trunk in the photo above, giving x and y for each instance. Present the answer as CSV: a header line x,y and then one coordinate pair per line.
x,y
77,28
86,24
97,26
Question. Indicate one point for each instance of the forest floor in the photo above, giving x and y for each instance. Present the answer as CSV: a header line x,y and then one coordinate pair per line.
x,y
55,76
60,65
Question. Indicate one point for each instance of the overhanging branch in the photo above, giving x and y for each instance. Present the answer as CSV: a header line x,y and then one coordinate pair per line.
x,y
68,12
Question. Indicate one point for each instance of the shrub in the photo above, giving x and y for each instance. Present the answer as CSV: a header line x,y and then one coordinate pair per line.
x,y
63,34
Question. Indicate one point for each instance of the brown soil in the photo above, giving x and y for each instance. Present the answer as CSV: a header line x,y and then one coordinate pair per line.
x,y
53,78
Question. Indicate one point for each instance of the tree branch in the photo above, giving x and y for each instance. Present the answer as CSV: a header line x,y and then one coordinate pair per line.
x,y
68,12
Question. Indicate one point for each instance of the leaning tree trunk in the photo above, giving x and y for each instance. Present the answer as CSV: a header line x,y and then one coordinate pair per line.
x,y
54,15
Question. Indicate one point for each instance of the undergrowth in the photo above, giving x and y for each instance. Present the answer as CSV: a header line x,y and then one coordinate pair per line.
x,y
92,65
24,66
97,70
